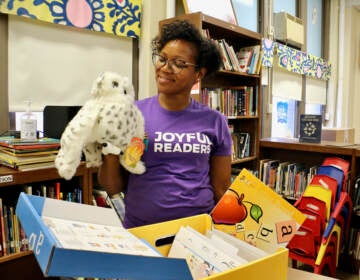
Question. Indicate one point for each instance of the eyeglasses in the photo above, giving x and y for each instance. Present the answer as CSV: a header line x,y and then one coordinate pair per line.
x,y
176,65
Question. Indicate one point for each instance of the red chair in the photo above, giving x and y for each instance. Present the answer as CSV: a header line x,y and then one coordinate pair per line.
x,y
308,244
328,183
325,255
340,216
341,164
335,173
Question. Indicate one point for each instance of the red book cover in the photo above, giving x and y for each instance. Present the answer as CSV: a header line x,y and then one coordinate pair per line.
x,y
57,190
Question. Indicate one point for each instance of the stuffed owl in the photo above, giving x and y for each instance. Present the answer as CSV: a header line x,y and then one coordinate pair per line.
x,y
109,122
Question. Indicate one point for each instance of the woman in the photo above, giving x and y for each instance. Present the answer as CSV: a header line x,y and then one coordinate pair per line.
x,y
188,158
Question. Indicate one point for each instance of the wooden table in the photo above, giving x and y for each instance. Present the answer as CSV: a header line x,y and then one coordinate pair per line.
x,y
296,274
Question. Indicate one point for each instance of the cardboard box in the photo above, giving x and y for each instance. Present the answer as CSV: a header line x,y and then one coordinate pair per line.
x,y
339,135
289,29
57,261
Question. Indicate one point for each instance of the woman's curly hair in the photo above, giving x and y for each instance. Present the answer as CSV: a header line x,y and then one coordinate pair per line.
x,y
208,53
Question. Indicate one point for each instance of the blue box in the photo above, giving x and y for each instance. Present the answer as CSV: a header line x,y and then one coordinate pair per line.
x,y
54,260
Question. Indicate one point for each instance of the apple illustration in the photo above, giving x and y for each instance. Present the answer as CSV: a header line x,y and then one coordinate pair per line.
x,y
231,210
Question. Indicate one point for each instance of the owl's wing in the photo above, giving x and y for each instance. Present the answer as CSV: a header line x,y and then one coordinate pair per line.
x,y
75,136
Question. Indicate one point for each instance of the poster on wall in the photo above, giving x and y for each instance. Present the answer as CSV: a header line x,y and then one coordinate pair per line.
x,y
219,9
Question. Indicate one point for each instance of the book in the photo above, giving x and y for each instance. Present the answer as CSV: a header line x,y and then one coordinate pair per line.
x,y
310,128
36,166
244,56
225,56
280,176
244,144
15,161
254,59
17,143
235,246
271,173
253,212
235,146
28,152
79,235
195,247
2,230
6,247
11,232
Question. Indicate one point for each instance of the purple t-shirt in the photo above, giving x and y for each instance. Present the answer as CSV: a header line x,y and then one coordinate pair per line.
x,y
176,183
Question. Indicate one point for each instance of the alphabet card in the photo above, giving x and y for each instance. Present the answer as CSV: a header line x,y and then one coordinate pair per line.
x,y
253,212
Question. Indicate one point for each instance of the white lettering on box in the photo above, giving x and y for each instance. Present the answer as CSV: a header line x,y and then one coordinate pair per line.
x,y
36,242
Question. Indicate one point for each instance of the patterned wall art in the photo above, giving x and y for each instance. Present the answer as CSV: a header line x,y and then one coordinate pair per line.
x,y
295,61
117,17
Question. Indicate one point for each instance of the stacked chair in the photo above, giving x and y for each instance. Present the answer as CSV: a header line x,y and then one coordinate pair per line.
x,y
327,206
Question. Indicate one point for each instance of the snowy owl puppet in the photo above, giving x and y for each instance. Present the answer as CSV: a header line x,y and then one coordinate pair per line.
x,y
108,123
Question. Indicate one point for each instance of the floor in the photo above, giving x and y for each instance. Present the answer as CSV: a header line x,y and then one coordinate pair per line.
x,y
347,276
340,274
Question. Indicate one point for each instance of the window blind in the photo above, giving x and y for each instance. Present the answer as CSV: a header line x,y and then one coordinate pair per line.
x,y
52,64
315,91
286,84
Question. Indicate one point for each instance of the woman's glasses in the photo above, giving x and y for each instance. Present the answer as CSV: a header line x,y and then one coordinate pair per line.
x,y
176,65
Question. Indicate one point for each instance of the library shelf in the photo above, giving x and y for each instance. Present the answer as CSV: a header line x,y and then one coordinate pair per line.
x,y
237,37
312,154
12,182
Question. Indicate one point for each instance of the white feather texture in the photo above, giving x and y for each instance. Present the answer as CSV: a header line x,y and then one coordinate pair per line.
x,y
110,118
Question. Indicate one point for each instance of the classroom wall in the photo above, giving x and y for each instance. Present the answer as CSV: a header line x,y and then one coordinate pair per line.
x,y
353,74
4,108
151,16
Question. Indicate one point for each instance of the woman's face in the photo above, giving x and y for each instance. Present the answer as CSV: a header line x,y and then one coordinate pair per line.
x,y
168,81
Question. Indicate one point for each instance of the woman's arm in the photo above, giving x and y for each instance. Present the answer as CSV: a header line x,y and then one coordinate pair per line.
x,y
220,175
111,175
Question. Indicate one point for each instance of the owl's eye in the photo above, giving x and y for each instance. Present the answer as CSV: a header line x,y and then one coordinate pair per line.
x,y
125,91
115,84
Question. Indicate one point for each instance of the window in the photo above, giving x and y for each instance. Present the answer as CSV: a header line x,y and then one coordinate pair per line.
x,y
313,46
285,109
247,14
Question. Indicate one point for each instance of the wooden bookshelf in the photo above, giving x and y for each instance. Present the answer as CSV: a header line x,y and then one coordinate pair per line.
x,y
20,266
12,182
312,154
12,177
237,37
309,154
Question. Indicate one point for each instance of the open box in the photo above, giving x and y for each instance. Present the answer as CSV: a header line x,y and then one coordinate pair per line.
x,y
57,261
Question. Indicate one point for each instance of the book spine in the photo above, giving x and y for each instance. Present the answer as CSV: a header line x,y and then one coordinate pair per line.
x,y
2,230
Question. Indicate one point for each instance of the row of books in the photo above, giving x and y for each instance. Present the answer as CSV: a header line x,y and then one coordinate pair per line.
x,y
56,191
240,101
286,178
26,155
245,60
12,235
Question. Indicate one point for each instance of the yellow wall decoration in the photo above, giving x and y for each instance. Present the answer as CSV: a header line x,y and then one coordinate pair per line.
x,y
118,17
295,61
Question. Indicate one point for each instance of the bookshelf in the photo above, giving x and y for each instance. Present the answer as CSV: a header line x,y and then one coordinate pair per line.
x,y
311,154
12,183
237,37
